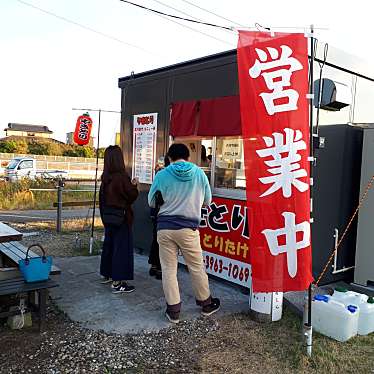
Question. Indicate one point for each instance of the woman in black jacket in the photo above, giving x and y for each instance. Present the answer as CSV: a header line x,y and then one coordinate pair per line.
x,y
117,193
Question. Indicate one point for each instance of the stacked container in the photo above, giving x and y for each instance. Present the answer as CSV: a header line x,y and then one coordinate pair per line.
x,y
333,319
348,297
364,304
366,317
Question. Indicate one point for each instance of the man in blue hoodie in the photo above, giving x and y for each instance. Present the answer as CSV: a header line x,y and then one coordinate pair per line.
x,y
185,189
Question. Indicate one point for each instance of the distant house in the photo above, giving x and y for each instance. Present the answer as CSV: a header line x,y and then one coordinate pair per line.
x,y
70,139
22,130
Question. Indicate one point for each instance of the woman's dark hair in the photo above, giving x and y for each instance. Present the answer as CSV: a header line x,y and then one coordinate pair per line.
x,y
203,153
113,162
178,151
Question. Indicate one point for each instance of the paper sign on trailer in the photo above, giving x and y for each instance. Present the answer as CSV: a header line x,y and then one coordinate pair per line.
x,y
144,143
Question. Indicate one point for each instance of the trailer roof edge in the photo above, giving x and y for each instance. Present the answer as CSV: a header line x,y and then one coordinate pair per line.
x,y
177,65
213,57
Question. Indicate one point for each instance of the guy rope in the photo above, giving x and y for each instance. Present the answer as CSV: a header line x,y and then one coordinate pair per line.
x,y
368,187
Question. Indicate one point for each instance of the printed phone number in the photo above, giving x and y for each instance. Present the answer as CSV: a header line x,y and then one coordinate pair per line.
x,y
226,269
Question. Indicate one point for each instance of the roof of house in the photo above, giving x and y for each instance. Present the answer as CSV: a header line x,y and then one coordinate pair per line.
x,y
28,128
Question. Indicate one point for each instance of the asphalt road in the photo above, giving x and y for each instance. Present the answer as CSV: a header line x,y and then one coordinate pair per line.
x,y
43,215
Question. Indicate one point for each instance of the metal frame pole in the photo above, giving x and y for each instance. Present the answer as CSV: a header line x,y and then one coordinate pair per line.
x,y
60,187
308,329
95,192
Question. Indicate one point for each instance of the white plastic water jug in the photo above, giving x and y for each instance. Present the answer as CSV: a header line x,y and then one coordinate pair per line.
x,y
333,319
366,317
348,297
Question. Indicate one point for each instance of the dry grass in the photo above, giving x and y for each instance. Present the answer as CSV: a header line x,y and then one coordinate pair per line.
x,y
71,225
243,346
17,196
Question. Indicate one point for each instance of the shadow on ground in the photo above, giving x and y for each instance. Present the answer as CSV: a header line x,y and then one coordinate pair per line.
x,y
85,300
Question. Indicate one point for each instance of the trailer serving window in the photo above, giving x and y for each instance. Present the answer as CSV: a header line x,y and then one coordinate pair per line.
x,y
229,164
211,128
201,152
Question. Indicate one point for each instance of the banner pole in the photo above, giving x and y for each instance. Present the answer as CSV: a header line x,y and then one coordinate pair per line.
x,y
95,192
308,329
97,167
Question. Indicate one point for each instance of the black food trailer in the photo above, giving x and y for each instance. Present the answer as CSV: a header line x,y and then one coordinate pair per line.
x,y
208,86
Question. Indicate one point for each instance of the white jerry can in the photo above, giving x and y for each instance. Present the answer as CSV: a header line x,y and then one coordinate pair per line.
x,y
266,306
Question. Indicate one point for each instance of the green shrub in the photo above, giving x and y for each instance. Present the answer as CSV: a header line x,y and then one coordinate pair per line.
x,y
8,146
39,146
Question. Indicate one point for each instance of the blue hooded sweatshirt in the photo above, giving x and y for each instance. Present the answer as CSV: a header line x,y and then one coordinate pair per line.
x,y
185,189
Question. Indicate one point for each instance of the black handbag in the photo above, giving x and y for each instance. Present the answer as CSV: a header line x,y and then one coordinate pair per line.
x,y
111,215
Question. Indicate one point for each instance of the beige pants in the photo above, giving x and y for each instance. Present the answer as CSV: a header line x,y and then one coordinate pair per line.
x,y
188,241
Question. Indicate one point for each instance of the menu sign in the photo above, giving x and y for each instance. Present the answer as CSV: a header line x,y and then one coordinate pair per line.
x,y
144,147
231,149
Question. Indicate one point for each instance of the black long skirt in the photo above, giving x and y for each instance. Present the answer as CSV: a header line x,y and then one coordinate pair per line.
x,y
117,258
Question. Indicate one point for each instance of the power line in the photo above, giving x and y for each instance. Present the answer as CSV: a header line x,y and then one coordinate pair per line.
x,y
194,30
177,17
188,27
182,12
87,28
215,14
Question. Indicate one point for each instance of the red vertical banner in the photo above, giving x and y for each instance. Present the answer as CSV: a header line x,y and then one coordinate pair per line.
x,y
273,81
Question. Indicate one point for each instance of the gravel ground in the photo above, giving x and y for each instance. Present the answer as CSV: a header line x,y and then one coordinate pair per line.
x,y
67,348
232,344
58,244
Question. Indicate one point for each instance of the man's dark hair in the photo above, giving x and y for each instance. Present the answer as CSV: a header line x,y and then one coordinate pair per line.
x,y
178,151
166,160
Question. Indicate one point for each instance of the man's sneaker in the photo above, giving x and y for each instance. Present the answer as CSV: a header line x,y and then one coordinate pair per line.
x,y
173,317
211,308
153,271
122,287
105,280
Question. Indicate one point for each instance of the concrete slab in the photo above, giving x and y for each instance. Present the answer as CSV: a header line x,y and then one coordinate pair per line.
x,y
85,300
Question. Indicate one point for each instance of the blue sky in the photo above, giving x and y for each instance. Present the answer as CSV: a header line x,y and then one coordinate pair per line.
x,y
49,66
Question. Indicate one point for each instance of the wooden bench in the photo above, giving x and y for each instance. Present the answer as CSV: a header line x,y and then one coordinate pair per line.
x,y
17,286
15,251
12,282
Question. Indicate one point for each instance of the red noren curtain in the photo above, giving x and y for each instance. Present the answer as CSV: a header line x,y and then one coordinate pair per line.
x,y
220,117
183,118
210,117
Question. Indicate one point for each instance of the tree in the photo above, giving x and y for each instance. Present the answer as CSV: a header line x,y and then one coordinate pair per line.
x,y
101,152
8,146
22,147
38,148
54,149
88,152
